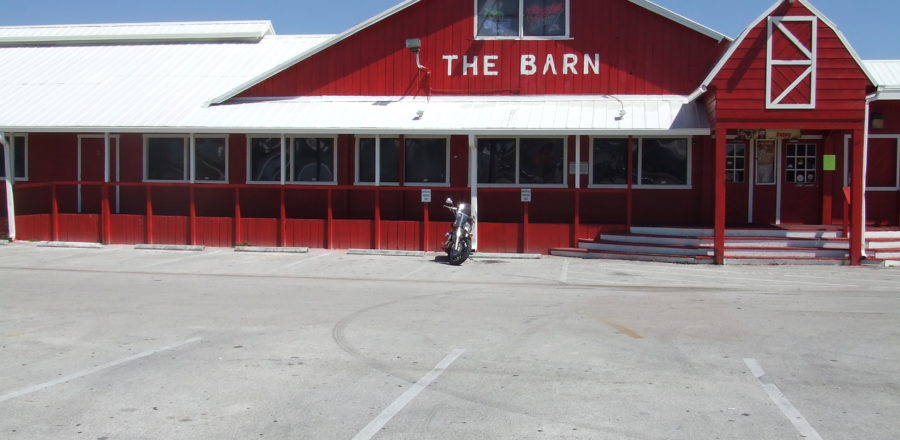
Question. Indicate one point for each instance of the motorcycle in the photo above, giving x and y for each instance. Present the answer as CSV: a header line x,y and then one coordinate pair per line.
x,y
459,239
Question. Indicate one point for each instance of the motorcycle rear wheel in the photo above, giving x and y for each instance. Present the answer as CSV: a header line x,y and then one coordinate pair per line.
x,y
459,256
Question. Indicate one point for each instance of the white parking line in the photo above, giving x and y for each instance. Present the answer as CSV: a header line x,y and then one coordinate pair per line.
x,y
375,425
80,374
564,274
298,262
787,408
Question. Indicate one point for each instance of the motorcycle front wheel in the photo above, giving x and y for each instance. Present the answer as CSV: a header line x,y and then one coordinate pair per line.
x,y
458,255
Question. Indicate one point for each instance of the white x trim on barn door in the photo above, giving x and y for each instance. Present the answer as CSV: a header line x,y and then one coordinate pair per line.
x,y
807,57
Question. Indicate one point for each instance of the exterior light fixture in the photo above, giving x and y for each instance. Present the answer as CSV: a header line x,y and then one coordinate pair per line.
x,y
877,121
414,44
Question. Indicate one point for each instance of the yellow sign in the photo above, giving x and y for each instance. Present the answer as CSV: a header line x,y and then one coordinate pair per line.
x,y
783,134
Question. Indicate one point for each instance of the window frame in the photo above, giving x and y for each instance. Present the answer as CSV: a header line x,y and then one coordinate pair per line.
x,y
288,164
522,36
185,172
447,146
638,164
13,137
518,171
805,157
356,162
190,156
734,169
249,156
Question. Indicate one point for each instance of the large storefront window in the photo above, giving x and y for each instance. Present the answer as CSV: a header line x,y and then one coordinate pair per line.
x,y
19,152
522,18
657,162
524,161
389,161
168,159
425,161
312,160
265,159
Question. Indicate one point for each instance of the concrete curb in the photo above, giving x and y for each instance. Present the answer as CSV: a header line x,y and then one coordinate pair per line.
x,y
503,256
4,242
892,264
70,245
169,247
282,250
385,253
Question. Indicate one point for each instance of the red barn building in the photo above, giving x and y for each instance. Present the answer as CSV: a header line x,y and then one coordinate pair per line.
x,y
566,136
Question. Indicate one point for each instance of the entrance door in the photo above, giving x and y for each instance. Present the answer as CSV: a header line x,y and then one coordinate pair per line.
x,y
801,198
91,160
764,194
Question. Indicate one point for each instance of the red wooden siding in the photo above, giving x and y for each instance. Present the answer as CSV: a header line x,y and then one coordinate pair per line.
x,y
640,53
740,87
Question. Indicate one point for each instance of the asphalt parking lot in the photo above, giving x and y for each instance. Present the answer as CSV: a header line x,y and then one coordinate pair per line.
x,y
117,343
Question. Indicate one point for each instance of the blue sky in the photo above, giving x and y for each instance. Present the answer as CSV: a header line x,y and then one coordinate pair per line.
x,y
870,25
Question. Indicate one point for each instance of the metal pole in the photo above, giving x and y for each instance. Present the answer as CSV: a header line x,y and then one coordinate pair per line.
x,y
473,185
8,157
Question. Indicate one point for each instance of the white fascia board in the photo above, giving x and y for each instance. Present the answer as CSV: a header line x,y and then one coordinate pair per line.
x,y
680,19
888,94
303,56
106,33
727,56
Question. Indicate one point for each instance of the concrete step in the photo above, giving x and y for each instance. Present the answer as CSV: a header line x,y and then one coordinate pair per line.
x,y
883,234
882,244
707,242
766,233
628,256
891,254
683,251
787,253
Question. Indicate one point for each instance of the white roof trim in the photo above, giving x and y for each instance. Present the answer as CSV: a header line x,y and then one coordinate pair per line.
x,y
680,19
727,56
136,32
325,45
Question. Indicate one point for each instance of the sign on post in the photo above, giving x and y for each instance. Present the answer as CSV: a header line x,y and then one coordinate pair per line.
x,y
526,195
426,196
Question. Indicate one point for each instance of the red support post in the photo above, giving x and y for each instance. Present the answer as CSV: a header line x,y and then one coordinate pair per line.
x,y
525,220
329,222
105,223
629,193
857,202
192,224
237,216
282,219
719,189
149,214
377,238
576,222
54,213
425,227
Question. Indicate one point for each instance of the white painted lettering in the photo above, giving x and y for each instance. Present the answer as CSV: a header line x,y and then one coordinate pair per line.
x,y
529,65
592,65
467,66
570,64
490,64
550,64
450,59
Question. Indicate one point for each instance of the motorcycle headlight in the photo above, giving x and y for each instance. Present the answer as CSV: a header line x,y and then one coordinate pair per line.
x,y
467,227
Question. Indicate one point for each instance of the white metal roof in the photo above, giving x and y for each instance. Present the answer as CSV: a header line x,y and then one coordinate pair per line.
x,y
680,19
135,32
885,72
105,87
659,115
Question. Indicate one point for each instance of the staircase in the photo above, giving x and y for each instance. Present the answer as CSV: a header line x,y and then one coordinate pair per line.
x,y
742,246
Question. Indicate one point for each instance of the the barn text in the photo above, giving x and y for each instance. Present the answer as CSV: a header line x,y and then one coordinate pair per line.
x,y
488,65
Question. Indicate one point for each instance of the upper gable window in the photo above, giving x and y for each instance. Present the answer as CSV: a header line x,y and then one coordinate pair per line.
x,y
522,18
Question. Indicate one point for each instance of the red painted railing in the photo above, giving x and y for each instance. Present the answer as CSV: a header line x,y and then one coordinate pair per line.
x,y
438,193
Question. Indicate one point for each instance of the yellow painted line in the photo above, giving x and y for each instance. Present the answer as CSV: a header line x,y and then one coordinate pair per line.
x,y
622,329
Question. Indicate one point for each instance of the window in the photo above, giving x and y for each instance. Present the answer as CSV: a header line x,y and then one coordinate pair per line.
x,y
522,18
425,161
735,161
211,159
19,152
389,160
265,159
765,162
664,162
801,164
521,161
309,160
167,159
657,162
610,164
312,160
